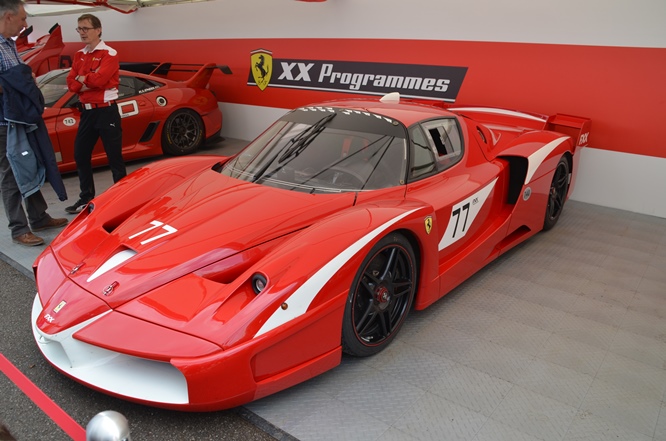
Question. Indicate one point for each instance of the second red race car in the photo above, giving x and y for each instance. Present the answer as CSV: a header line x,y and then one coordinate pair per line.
x,y
205,282
42,55
159,115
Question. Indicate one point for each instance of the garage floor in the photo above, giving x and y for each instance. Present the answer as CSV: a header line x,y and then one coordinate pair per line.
x,y
563,338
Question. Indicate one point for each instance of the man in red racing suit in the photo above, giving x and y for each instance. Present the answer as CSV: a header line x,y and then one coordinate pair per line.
x,y
95,77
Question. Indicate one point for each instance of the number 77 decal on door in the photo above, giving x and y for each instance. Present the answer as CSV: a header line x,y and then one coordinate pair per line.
x,y
463,215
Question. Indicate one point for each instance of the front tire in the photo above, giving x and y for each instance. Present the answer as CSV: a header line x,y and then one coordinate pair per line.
x,y
183,133
558,193
380,297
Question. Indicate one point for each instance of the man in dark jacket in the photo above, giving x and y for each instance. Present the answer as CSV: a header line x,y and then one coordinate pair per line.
x,y
29,148
12,21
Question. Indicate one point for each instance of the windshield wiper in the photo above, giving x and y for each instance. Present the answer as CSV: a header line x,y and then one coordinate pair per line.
x,y
295,146
303,139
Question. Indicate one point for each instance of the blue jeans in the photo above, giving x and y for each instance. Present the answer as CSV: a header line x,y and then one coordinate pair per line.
x,y
35,205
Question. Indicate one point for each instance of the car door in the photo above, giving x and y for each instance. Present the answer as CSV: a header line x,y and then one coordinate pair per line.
x,y
448,171
135,110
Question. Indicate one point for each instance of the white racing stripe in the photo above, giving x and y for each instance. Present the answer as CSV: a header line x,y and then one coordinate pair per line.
x,y
300,300
536,158
497,112
463,214
113,262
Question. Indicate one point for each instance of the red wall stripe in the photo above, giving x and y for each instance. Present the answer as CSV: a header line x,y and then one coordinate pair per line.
x,y
59,416
620,88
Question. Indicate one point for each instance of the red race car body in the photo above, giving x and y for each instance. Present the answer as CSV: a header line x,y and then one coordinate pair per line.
x,y
159,115
44,54
205,282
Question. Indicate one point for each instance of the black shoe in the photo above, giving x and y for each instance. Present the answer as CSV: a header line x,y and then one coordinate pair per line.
x,y
77,207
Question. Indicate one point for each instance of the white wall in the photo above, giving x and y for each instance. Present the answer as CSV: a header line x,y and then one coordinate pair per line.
x,y
247,122
619,180
635,23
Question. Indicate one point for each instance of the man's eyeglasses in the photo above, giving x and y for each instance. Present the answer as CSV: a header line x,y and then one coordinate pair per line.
x,y
82,30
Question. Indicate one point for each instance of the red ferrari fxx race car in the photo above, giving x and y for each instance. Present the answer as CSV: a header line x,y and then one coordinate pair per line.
x,y
205,282
159,115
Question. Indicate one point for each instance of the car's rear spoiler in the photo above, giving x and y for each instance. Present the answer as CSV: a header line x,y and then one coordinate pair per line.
x,y
44,54
198,80
575,126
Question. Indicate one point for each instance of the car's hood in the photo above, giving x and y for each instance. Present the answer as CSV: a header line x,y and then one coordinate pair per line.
x,y
205,219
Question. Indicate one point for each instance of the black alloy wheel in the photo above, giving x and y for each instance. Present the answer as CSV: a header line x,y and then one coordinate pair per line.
x,y
558,193
183,133
380,297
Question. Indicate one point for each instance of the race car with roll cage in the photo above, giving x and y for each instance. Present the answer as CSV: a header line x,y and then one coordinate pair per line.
x,y
205,282
160,114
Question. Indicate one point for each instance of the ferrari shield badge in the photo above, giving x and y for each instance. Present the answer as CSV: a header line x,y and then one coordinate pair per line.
x,y
59,307
262,67
428,224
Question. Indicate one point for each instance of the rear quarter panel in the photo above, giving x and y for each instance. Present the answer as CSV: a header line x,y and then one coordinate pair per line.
x,y
543,151
201,101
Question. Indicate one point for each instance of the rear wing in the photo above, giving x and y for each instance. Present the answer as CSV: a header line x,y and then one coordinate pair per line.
x,y
575,126
44,54
22,42
578,128
178,72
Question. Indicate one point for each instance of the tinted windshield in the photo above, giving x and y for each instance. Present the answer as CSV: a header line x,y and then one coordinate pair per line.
x,y
322,150
53,86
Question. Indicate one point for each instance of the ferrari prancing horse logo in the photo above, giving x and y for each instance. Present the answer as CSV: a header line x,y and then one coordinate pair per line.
x,y
428,224
262,67
59,307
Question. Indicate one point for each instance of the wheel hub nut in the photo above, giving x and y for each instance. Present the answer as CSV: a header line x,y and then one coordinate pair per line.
x,y
383,296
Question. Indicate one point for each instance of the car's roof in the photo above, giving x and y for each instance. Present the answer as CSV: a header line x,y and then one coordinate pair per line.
x,y
406,111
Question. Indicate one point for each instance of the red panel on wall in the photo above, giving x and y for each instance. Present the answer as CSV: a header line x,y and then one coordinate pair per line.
x,y
620,88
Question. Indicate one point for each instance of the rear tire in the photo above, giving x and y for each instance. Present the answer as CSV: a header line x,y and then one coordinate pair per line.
x,y
183,133
380,297
558,193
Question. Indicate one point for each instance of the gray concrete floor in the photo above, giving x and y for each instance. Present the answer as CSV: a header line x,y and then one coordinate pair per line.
x,y
563,338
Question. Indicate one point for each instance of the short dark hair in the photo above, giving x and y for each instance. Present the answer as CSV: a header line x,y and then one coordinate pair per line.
x,y
94,21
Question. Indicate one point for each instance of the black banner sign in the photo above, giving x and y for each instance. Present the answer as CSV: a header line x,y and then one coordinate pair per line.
x,y
411,80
